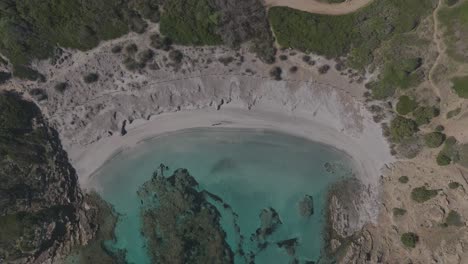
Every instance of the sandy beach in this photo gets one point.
(369, 150)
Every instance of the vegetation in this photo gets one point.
(434, 139)
(453, 112)
(454, 185)
(358, 33)
(398, 212)
(409, 239)
(402, 128)
(91, 77)
(422, 194)
(460, 86)
(406, 105)
(453, 219)
(443, 160)
(455, 23)
(424, 114)
(275, 73)
(176, 56)
(190, 22)
(403, 179)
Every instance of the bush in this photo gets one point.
(403, 179)
(434, 139)
(132, 65)
(442, 159)
(176, 56)
(131, 49)
(453, 112)
(283, 57)
(454, 185)
(91, 77)
(116, 49)
(409, 239)
(421, 194)
(424, 114)
(163, 43)
(293, 69)
(460, 85)
(405, 105)
(4, 77)
(145, 56)
(439, 128)
(401, 128)
(27, 73)
(399, 212)
(324, 69)
(61, 87)
(453, 219)
(275, 72)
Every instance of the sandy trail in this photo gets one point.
(314, 6)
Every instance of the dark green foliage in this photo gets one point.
(32, 28)
(61, 87)
(434, 139)
(148, 9)
(159, 42)
(451, 2)
(409, 239)
(422, 194)
(116, 49)
(132, 65)
(442, 159)
(176, 56)
(439, 128)
(4, 77)
(453, 112)
(460, 85)
(401, 128)
(91, 77)
(424, 114)
(15, 114)
(406, 105)
(145, 56)
(381, 90)
(403, 179)
(26, 73)
(275, 73)
(398, 212)
(190, 22)
(454, 185)
(454, 21)
(131, 49)
(358, 33)
(453, 219)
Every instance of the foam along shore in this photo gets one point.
(369, 150)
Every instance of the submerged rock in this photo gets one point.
(289, 245)
(182, 226)
(306, 206)
(269, 222)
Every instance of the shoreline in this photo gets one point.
(368, 151)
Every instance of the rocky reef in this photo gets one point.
(42, 215)
(179, 223)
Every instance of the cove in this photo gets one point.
(250, 170)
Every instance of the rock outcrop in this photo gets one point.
(42, 216)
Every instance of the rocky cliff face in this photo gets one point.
(41, 204)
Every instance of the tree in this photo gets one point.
(434, 139)
(409, 239)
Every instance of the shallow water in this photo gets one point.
(249, 169)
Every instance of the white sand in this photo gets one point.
(369, 150)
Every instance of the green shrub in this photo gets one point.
(422, 194)
(405, 105)
(403, 179)
(399, 212)
(434, 139)
(424, 114)
(439, 128)
(442, 159)
(454, 185)
(454, 219)
(61, 87)
(190, 22)
(409, 239)
(453, 112)
(401, 128)
(91, 77)
(460, 85)
(176, 56)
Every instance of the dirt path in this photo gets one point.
(314, 6)
(437, 39)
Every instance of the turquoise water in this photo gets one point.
(249, 169)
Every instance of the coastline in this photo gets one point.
(368, 149)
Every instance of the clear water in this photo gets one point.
(249, 169)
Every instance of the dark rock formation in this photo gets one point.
(269, 222)
(180, 225)
(41, 204)
(289, 245)
(306, 206)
